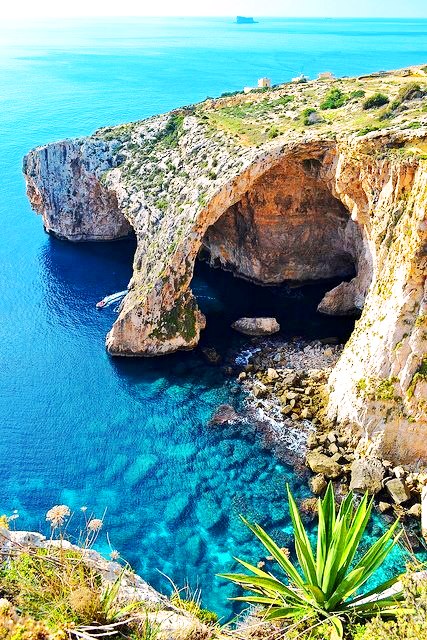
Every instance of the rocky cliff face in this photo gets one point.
(248, 183)
(71, 198)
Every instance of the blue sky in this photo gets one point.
(330, 8)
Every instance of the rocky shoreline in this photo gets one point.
(286, 386)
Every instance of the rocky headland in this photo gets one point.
(257, 185)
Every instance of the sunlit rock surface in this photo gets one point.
(245, 183)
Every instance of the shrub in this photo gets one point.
(16, 627)
(305, 115)
(410, 92)
(322, 591)
(170, 134)
(284, 100)
(56, 585)
(375, 101)
(162, 204)
(359, 93)
(57, 588)
(273, 132)
(229, 94)
(365, 130)
(334, 99)
(390, 111)
(406, 625)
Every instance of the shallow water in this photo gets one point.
(133, 437)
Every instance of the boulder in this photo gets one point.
(312, 440)
(290, 378)
(260, 391)
(318, 484)
(272, 374)
(383, 507)
(256, 326)
(367, 474)
(398, 490)
(319, 463)
(306, 414)
(314, 118)
(309, 507)
(415, 510)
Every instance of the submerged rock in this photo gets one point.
(225, 413)
(209, 512)
(256, 326)
(211, 355)
(176, 507)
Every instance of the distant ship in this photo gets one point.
(243, 20)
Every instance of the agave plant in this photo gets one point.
(324, 588)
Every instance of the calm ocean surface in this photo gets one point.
(133, 437)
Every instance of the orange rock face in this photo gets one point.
(287, 226)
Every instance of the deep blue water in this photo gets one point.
(133, 437)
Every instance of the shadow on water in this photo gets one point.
(225, 298)
(78, 275)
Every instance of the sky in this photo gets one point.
(286, 8)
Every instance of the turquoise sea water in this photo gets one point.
(133, 437)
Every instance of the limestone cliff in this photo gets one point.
(72, 200)
(256, 188)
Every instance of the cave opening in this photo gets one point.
(276, 253)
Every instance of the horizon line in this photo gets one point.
(260, 17)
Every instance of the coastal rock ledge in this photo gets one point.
(248, 184)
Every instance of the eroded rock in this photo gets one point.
(318, 484)
(398, 491)
(256, 326)
(320, 463)
(367, 474)
(305, 205)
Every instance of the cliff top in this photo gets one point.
(328, 107)
(180, 158)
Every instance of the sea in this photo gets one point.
(132, 440)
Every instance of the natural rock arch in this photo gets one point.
(287, 203)
(380, 382)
